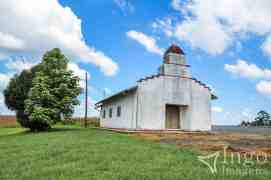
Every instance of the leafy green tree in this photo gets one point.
(17, 92)
(54, 93)
(38, 105)
(262, 119)
(45, 94)
(245, 123)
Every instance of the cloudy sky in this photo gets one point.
(227, 43)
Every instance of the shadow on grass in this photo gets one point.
(55, 129)
(14, 134)
(61, 129)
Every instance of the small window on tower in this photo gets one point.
(119, 111)
(110, 112)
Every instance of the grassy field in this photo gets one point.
(74, 153)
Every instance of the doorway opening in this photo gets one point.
(172, 117)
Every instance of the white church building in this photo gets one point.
(171, 99)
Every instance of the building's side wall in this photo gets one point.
(199, 111)
(126, 119)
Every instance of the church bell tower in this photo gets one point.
(174, 63)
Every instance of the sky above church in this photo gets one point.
(226, 42)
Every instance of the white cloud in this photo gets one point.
(3, 109)
(214, 25)
(79, 110)
(10, 42)
(247, 114)
(176, 4)
(217, 109)
(18, 65)
(148, 42)
(165, 25)
(4, 79)
(81, 73)
(266, 47)
(264, 87)
(32, 27)
(208, 36)
(125, 6)
(252, 71)
(235, 117)
(246, 70)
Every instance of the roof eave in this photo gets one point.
(121, 93)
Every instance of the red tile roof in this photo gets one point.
(174, 49)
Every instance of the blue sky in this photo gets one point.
(120, 41)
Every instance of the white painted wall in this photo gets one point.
(126, 120)
(151, 109)
(155, 94)
(200, 108)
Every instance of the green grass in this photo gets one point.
(75, 153)
(4, 131)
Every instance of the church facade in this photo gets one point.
(171, 99)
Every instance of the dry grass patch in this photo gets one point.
(8, 121)
(233, 142)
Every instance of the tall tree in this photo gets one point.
(263, 118)
(38, 105)
(44, 94)
(54, 92)
(17, 92)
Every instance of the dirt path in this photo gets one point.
(233, 142)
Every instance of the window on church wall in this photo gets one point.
(104, 113)
(110, 112)
(119, 111)
(167, 59)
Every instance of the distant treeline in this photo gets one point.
(263, 118)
